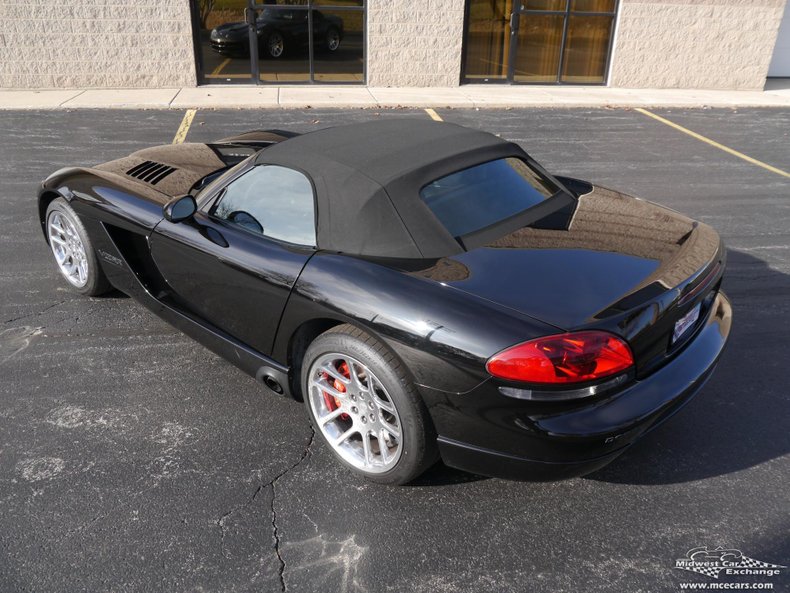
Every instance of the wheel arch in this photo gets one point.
(299, 342)
(45, 198)
(306, 333)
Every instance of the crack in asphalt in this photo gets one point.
(223, 518)
(90, 523)
(275, 528)
(36, 313)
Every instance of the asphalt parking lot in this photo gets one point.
(133, 459)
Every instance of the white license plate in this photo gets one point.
(685, 323)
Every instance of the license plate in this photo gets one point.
(685, 323)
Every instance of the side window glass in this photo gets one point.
(273, 201)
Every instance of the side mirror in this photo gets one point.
(179, 209)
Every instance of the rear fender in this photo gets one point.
(443, 336)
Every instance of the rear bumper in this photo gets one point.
(488, 433)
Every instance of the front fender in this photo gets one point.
(104, 196)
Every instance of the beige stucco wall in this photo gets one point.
(712, 44)
(95, 43)
(415, 42)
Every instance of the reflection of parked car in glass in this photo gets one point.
(279, 32)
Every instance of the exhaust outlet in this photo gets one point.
(272, 384)
(272, 379)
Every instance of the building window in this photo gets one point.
(288, 41)
(538, 41)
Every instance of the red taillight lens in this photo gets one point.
(564, 358)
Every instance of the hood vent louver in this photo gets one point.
(150, 172)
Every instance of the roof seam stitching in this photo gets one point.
(403, 222)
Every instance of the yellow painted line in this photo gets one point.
(181, 134)
(221, 67)
(434, 116)
(713, 143)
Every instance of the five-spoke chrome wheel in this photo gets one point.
(276, 45)
(355, 413)
(68, 249)
(332, 39)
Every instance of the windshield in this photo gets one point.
(477, 197)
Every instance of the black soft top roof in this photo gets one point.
(368, 176)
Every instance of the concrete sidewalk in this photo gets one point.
(777, 94)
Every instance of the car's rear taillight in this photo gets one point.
(565, 358)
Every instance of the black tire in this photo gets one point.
(419, 449)
(332, 39)
(96, 282)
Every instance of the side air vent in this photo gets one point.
(150, 172)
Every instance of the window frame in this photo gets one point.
(209, 205)
(206, 78)
(516, 13)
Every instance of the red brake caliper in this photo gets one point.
(333, 403)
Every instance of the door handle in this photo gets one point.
(514, 22)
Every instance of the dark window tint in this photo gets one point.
(480, 196)
(273, 201)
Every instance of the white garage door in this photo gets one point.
(780, 63)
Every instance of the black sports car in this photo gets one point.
(428, 290)
(279, 32)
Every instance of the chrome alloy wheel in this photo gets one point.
(333, 39)
(276, 45)
(355, 413)
(67, 248)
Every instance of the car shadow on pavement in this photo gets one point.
(443, 475)
(740, 418)
(113, 294)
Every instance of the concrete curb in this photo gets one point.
(468, 96)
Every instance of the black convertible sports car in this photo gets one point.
(428, 290)
(279, 32)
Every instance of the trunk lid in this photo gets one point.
(615, 263)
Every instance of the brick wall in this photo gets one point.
(415, 42)
(713, 44)
(96, 43)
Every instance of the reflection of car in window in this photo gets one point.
(279, 32)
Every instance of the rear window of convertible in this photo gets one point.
(483, 195)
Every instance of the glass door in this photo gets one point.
(589, 28)
(281, 41)
(283, 48)
(487, 40)
(223, 41)
(538, 41)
